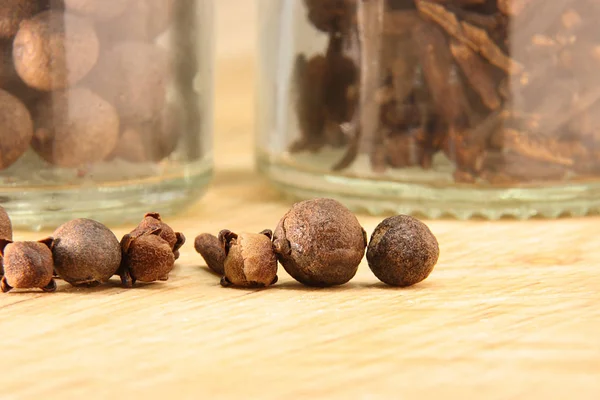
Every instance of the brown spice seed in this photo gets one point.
(250, 260)
(27, 265)
(402, 251)
(86, 253)
(212, 250)
(320, 242)
(12, 13)
(133, 76)
(74, 128)
(55, 50)
(16, 129)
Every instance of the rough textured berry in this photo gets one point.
(12, 13)
(320, 242)
(402, 251)
(250, 260)
(74, 128)
(27, 265)
(55, 50)
(86, 253)
(16, 129)
(133, 76)
(211, 249)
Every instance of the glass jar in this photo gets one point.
(105, 108)
(462, 107)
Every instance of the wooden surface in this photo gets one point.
(512, 311)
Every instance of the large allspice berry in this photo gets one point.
(74, 128)
(402, 251)
(133, 76)
(320, 242)
(12, 12)
(152, 221)
(151, 140)
(250, 259)
(210, 248)
(16, 129)
(54, 50)
(27, 265)
(86, 253)
(100, 10)
(147, 257)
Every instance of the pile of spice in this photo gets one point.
(86, 253)
(86, 81)
(505, 89)
(320, 243)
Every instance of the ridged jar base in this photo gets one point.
(432, 199)
(114, 203)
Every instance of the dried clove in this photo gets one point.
(250, 259)
(212, 250)
(27, 265)
(146, 257)
(152, 222)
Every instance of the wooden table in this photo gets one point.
(512, 311)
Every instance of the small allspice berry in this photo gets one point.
(320, 242)
(402, 251)
(27, 265)
(210, 248)
(147, 257)
(86, 253)
(250, 259)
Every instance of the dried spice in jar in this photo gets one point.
(418, 105)
(103, 102)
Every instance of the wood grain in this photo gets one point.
(510, 312)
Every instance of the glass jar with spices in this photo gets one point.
(105, 108)
(465, 108)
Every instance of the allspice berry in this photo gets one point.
(27, 265)
(147, 257)
(320, 242)
(100, 10)
(151, 140)
(74, 128)
(55, 50)
(133, 76)
(152, 222)
(143, 20)
(16, 129)
(402, 251)
(12, 12)
(211, 249)
(86, 253)
(250, 260)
